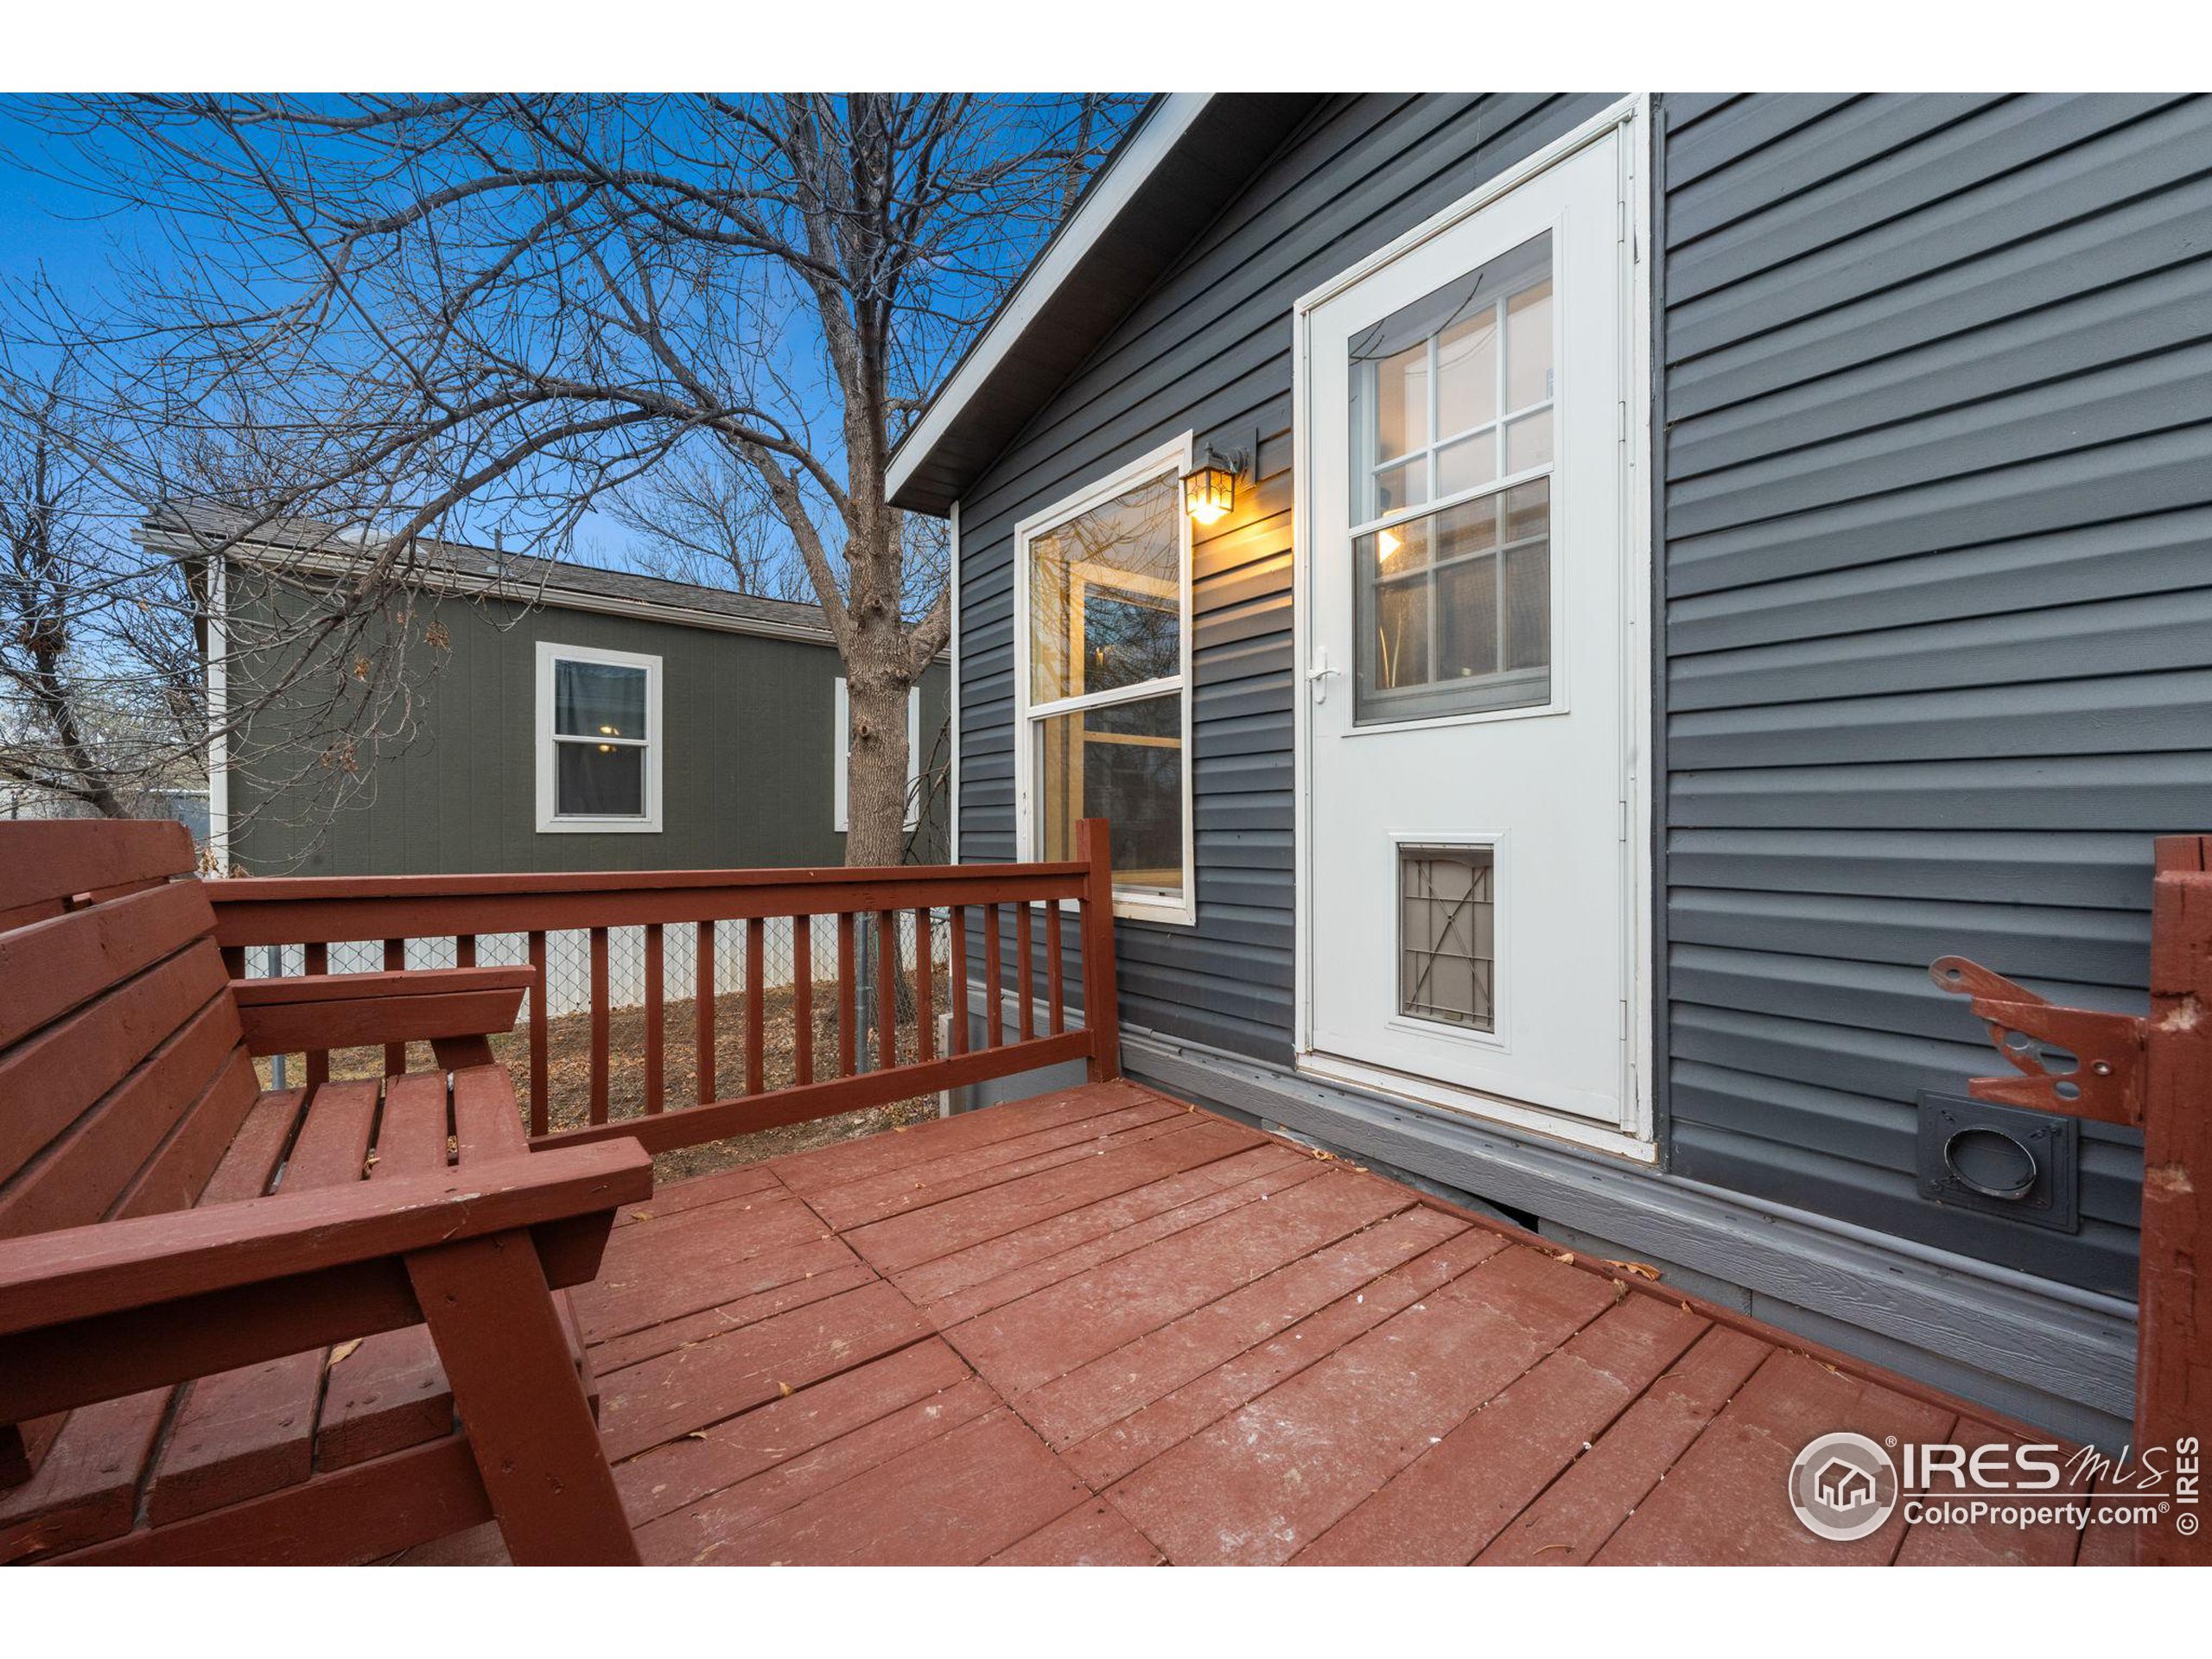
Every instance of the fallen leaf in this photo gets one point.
(1641, 1270)
(785, 1390)
(344, 1349)
(641, 1215)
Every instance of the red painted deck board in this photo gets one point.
(1101, 1327)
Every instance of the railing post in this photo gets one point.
(2173, 1364)
(1102, 1016)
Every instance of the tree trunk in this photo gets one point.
(876, 795)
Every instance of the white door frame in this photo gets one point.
(1632, 116)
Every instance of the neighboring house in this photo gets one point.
(1692, 560)
(580, 718)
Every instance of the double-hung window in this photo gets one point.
(598, 741)
(1102, 673)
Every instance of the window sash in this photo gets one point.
(1134, 898)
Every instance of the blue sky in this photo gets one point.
(77, 240)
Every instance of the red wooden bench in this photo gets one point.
(317, 1324)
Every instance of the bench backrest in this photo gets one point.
(123, 1075)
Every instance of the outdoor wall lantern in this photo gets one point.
(1209, 488)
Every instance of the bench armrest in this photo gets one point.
(89, 1313)
(323, 1010)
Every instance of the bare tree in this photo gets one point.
(99, 687)
(447, 311)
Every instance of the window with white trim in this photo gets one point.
(842, 736)
(1102, 679)
(598, 741)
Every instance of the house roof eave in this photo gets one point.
(1179, 167)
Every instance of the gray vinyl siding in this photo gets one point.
(1937, 405)
(1209, 350)
(748, 764)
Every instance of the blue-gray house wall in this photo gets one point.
(1932, 422)
(1937, 586)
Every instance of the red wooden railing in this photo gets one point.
(316, 913)
(2153, 1073)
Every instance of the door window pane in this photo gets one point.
(1529, 347)
(1104, 595)
(1466, 465)
(1451, 612)
(1401, 403)
(1529, 441)
(1447, 935)
(1466, 363)
(1123, 763)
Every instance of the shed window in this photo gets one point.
(1102, 680)
(598, 739)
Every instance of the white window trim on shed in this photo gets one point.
(550, 821)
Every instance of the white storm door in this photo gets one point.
(1468, 877)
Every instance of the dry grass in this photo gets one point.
(568, 1075)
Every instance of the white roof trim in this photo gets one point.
(1125, 173)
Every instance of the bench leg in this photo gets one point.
(516, 1389)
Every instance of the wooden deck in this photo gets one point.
(1104, 1326)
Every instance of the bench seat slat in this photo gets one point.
(250, 1431)
(390, 1392)
(187, 1160)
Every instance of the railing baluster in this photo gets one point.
(1025, 980)
(956, 976)
(395, 1054)
(655, 1018)
(1056, 1013)
(318, 961)
(886, 989)
(702, 1010)
(802, 999)
(755, 1001)
(993, 1020)
(845, 1067)
(924, 1014)
(538, 1115)
(598, 1022)
(1102, 1016)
